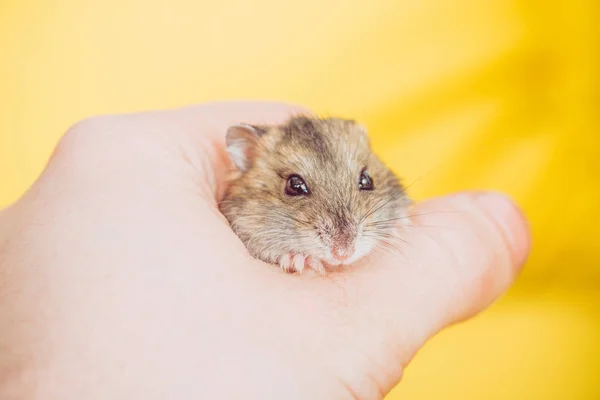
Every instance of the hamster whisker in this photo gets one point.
(391, 248)
(435, 212)
(386, 235)
(423, 176)
(370, 223)
(382, 225)
(431, 226)
(380, 205)
(389, 245)
(407, 216)
(412, 230)
(392, 225)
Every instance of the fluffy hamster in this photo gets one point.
(310, 192)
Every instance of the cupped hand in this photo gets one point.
(120, 279)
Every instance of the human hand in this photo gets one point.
(120, 279)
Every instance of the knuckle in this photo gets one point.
(85, 128)
(79, 136)
(96, 140)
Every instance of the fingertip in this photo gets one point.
(499, 209)
(510, 221)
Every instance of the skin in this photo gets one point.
(120, 278)
(329, 154)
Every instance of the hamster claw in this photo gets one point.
(285, 263)
(298, 263)
(316, 265)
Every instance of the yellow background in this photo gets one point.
(491, 94)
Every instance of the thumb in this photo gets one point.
(458, 256)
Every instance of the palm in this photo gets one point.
(121, 247)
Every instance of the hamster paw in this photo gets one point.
(292, 263)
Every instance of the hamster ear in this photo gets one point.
(242, 140)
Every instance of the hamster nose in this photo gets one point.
(341, 252)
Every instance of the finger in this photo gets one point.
(463, 252)
(147, 145)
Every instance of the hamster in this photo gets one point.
(310, 193)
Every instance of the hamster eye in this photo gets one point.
(365, 182)
(295, 186)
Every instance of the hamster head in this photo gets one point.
(310, 190)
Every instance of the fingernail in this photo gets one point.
(511, 220)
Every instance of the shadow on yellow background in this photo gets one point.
(490, 94)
